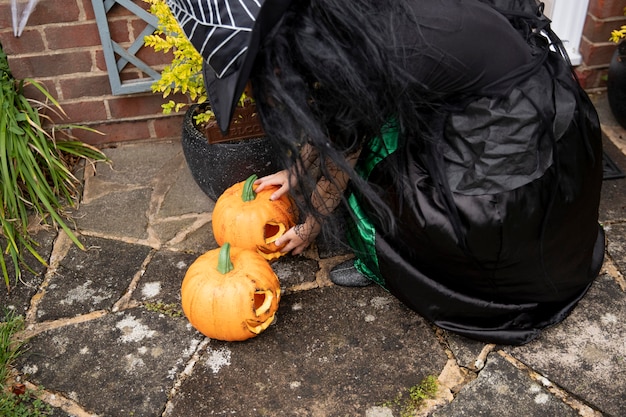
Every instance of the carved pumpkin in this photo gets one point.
(230, 294)
(250, 220)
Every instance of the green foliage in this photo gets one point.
(184, 74)
(172, 310)
(35, 176)
(417, 394)
(25, 404)
(9, 349)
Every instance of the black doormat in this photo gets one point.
(610, 169)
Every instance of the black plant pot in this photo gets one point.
(217, 166)
(616, 84)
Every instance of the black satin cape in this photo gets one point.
(510, 242)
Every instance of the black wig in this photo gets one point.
(331, 76)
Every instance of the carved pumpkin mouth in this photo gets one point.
(255, 327)
(262, 305)
(262, 302)
(271, 232)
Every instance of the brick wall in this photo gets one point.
(61, 47)
(602, 17)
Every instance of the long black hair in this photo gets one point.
(330, 76)
(333, 74)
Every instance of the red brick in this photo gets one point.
(51, 65)
(599, 30)
(131, 73)
(56, 11)
(33, 92)
(118, 10)
(29, 42)
(119, 30)
(607, 8)
(137, 26)
(168, 127)
(100, 62)
(6, 19)
(591, 78)
(88, 8)
(148, 55)
(598, 54)
(85, 86)
(72, 36)
(83, 112)
(116, 132)
(133, 106)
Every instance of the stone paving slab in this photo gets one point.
(124, 348)
(586, 354)
(502, 390)
(613, 203)
(119, 364)
(18, 299)
(332, 352)
(91, 280)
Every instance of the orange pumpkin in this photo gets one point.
(252, 221)
(230, 294)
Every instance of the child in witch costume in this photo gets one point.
(454, 131)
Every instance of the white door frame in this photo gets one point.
(568, 18)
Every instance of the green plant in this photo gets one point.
(419, 393)
(15, 402)
(184, 73)
(23, 405)
(35, 160)
(9, 349)
(171, 310)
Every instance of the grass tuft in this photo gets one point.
(417, 394)
(15, 400)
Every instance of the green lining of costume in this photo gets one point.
(361, 233)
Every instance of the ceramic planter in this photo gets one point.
(616, 84)
(218, 165)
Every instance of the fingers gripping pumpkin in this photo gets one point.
(249, 220)
(230, 294)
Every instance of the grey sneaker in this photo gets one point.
(345, 274)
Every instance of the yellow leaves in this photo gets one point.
(618, 35)
(184, 74)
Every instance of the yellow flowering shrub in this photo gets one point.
(184, 73)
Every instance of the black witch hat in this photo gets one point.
(228, 35)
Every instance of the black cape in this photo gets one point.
(498, 233)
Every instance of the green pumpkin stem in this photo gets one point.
(224, 264)
(248, 193)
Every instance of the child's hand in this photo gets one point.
(279, 179)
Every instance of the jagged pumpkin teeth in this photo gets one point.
(263, 302)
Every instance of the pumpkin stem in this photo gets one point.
(248, 193)
(224, 264)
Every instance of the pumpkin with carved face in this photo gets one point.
(249, 220)
(230, 294)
